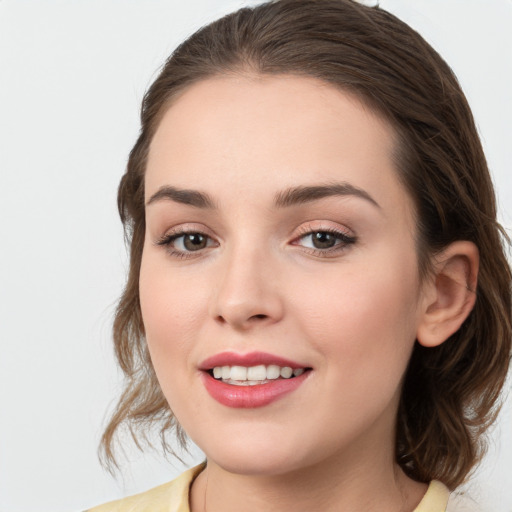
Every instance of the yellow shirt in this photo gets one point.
(173, 497)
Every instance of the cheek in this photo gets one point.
(364, 320)
(169, 309)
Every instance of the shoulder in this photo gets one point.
(439, 499)
(169, 497)
(435, 499)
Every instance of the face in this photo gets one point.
(279, 240)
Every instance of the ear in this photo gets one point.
(450, 293)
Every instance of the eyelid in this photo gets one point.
(322, 226)
(345, 235)
(317, 226)
(182, 230)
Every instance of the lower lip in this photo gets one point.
(250, 396)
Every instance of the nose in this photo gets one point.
(248, 292)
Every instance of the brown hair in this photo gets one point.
(450, 393)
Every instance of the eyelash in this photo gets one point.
(344, 238)
(169, 238)
(345, 241)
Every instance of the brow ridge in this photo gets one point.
(291, 196)
(305, 194)
(183, 196)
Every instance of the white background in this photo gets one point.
(72, 75)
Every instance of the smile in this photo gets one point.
(251, 380)
(254, 375)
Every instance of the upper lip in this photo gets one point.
(249, 359)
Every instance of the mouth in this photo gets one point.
(251, 380)
(254, 375)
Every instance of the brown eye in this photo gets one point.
(183, 243)
(323, 240)
(194, 241)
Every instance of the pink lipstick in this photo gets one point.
(249, 359)
(251, 380)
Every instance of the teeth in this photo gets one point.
(286, 372)
(252, 375)
(273, 372)
(257, 372)
(243, 382)
(238, 373)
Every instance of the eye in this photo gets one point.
(324, 242)
(183, 243)
(322, 239)
(190, 242)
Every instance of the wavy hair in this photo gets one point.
(451, 392)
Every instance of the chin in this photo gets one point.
(257, 465)
(265, 454)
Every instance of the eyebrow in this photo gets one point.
(289, 197)
(307, 194)
(183, 196)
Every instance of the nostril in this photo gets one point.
(261, 316)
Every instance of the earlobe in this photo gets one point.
(450, 294)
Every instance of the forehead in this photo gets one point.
(252, 131)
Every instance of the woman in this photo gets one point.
(318, 293)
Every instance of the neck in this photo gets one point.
(340, 483)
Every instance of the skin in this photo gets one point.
(351, 314)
